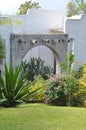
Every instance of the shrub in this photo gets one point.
(37, 84)
(72, 90)
(62, 90)
(82, 84)
(71, 80)
(55, 92)
(78, 74)
(36, 67)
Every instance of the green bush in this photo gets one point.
(55, 92)
(36, 67)
(38, 96)
(72, 90)
(62, 90)
(79, 73)
(82, 83)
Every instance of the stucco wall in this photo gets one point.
(38, 21)
(76, 28)
(5, 31)
(34, 22)
(21, 44)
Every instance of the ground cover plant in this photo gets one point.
(42, 117)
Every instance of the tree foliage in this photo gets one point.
(76, 7)
(66, 65)
(71, 9)
(27, 5)
(35, 67)
(2, 50)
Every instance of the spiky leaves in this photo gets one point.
(13, 87)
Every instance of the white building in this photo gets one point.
(76, 28)
(34, 22)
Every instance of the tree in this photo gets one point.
(66, 65)
(27, 5)
(2, 50)
(76, 7)
(71, 9)
(35, 67)
(82, 8)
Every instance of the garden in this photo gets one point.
(32, 97)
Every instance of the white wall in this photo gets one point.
(76, 28)
(34, 22)
(39, 21)
(5, 31)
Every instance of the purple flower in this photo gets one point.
(47, 88)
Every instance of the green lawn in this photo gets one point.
(42, 117)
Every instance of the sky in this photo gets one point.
(11, 6)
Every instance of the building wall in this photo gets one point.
(21, 44)
(34, 22)
(5, 31)
(76, 28)
(38, 21)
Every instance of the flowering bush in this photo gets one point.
(61, 90)
(55, 91)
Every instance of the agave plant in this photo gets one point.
(13, 87)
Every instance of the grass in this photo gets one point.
(42, 117)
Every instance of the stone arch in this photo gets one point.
(21, 44)
(56, 59)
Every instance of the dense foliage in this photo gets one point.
(62, 90)
(68, 88)
(75, 7)
(66, 65)
(28, 5)
(35, 67)
(82, 83)
(2, 50)
(39, 85)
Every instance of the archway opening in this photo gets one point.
(46, 54)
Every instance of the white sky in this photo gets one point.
(11, 6)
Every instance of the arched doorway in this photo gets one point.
(20, 45)
(49, 58)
